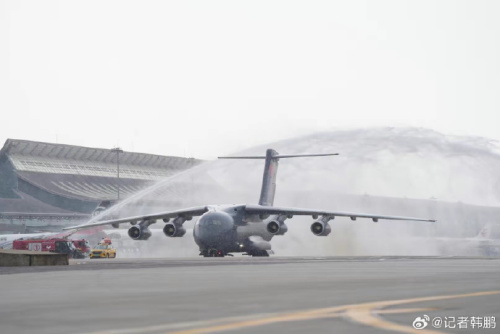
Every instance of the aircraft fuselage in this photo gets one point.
(227, 230)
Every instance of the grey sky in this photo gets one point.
(204, 78)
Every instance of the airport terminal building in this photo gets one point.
(44, 186)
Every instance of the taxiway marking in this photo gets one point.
(360, 313)
(366, 313)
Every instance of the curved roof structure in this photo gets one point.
(55, 173)
(30, 156)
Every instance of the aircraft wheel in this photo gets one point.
(212, 253)
(260, 254)
(205, 253)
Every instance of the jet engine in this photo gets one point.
(276, 227)
(173, 230)
(139, 232)
(320, 229)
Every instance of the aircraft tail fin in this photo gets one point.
(271, 170)
(485, 232)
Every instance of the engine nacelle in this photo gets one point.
(139, 232)
(321, 229)
(276, 227)
(173, 230)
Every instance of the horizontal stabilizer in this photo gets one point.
(282, 156)
(256, 157)
(304, 155)
(270, 169)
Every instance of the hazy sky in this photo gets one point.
(204, 78)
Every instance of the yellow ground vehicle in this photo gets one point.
(103, 251)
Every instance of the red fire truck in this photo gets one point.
(51, 245)
(82, 245)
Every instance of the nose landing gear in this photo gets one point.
(213, 253)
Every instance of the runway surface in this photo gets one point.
(248, 295)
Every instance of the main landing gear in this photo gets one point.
(257, 253)
(218, 253)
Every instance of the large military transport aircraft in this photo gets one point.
(225, 229)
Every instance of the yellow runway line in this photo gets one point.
(367, 314)
(360, 313)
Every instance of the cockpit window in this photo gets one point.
(214, 222)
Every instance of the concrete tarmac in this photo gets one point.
(249, 295)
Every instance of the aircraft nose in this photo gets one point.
(214, 225)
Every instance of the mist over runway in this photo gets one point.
(394, 171)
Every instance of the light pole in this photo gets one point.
(117, 150)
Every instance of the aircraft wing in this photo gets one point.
(189, 212)
(273, 210)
